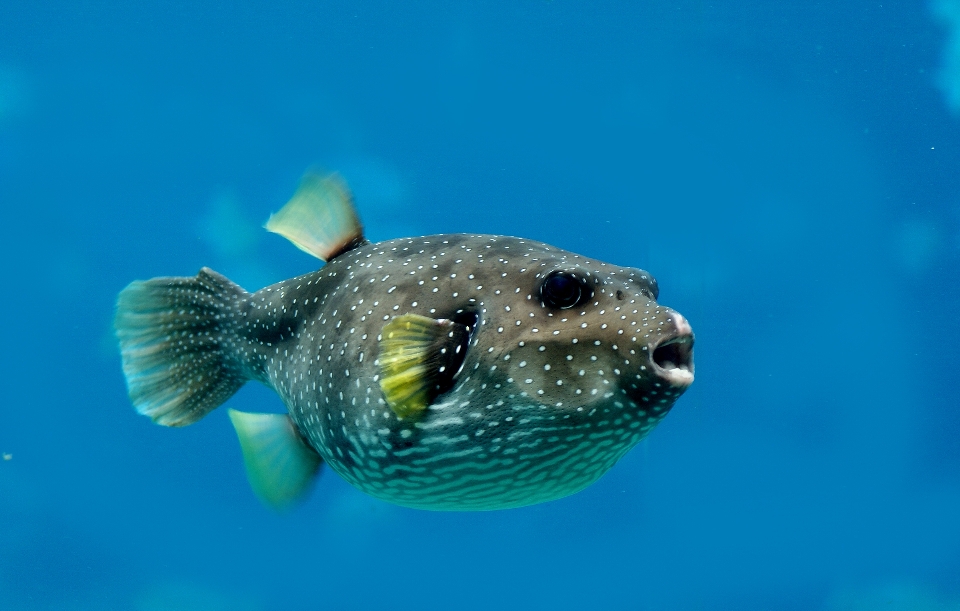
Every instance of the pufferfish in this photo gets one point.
(446, 372)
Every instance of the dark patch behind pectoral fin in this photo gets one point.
(419, 358)
(280, 465)
(320, 218)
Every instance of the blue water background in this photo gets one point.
(790, 172)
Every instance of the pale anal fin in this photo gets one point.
(280, 465)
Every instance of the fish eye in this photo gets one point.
(653, 289)
(647, 284)
(562, 290)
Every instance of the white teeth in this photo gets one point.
(679, 376)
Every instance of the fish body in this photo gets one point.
(450, 372)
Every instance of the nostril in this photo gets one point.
(619, 295)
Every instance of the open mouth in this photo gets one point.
(674, 360)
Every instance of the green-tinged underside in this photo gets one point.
(478, 472)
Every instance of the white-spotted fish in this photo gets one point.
(452, 372)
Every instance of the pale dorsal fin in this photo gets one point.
(280, 465)
(320, 218)
(419, 358)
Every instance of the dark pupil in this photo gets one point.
(562, 291)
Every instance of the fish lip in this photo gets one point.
(672, 360)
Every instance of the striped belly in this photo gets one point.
(519, 455)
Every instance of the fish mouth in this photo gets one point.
(673, 360)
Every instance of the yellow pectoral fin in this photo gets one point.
(405, 390)
(418, 361)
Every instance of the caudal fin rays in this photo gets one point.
(172, 334)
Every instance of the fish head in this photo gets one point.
(524, 373)
(581, 337)
(535, 371)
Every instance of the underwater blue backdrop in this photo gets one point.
(790, 172)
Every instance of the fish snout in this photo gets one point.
(672, 355)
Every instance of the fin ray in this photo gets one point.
(320, 218)
(172, 333)
(280, 465)
(419, 357)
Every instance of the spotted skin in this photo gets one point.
(546, 400)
